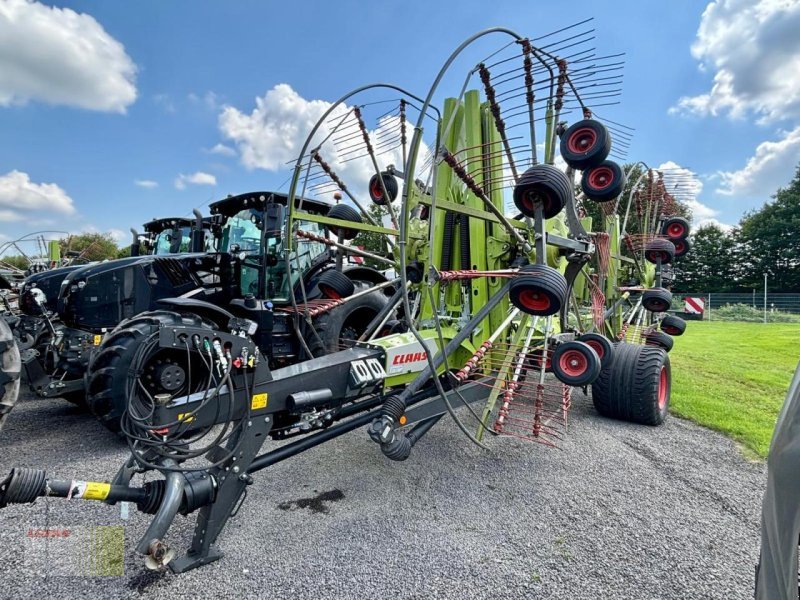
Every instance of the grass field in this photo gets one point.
(733, 377)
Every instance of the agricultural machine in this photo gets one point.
(505, 295)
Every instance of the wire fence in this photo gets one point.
(772, 307)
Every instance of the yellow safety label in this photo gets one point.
(259, 401)
(185, 417)
(96, 491)
(98, 339)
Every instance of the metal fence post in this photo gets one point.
(765, 297)
(709, 306)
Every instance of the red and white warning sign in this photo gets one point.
(695, 306)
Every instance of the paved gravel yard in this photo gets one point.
(619, 511)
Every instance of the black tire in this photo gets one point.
(538, 290)
(682, 247)
(659, 250)
(344, 212)
(9, 377)
(602, 347)
(543, 184)
(575, 364)
(657, 299)
(675, 228)
(532, 363)
(673, 325)
(335, 285)
(637, 387)
(585, 144)
(376, 191)
(603, 182)
(339, 327)
(659, 339)
(107, 374)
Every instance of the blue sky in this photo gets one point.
(97, 96)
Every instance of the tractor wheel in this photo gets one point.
(344, 212)
(9, 378)
(659, 250)
(339, 327)
(673, 325)
(682, 247)
(335, 285)
(659, 339)
(376, 190)
(675, 228)
(657, 299)
(575, 364)
(602, 347)
(637, 387)
(543, 184)
(165, 371)
(538, 290)
(603, 182)
(585, 144)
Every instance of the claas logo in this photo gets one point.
(403, 359)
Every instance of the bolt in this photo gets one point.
(235, 469)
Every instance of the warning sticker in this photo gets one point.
(185, 417)
(259, 401)
(98, 339)
(89, 490)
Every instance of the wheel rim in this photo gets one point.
(679, 247)
(583, 140)
(375, 190)
(675, 230)
(530, 199)
(657, 305)
(573, 363)
(663, 386)
(330, 292)
(670, 330)
(597, 347)
(534, 300)
(601, 178)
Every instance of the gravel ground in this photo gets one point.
(619, 511)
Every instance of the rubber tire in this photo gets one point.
(329, 325)
(9, 377)
(672, 223)
(662, 248)
(657, 299)
(538, 280)
(682, 247)
(107, 373)
(549, 184)
(344, 213)
(594, 154)
(602, 347)
(673, 325)
(659, 339)
(593, 365)
(335, 285)
(628, 391)
(610, 189)
(376, 192)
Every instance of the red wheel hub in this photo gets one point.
(573, 363)
(375, 190)
(329, 292)
(670, 330)
(582, 140)
(531, 198)
(679, 247)
(663, 387)
(676, 230)
(601, 178)
(597, 347)
(534, 300)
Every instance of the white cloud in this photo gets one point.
(771, 167)
(753, 49)
(19, 197)
(146, 183)
(59, 56)
(198, 178)
(222, 150)
(687, 186)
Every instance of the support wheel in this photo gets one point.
(603, 182)
(575, 364)
(9, 377)
(682, 247)
(335, 285)
(659, 339)
(657, 300)
(376, 190)
(659, 250)
(637, 387)
(545, 185)
(675, 228)
(538, 290)
(344, 212)
(602, 347)
(585, 144)
(673, 325)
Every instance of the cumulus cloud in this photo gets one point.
(222, 150)
(770, 167)
(146, 183)
(59, 56)
(19, 197)
(687, 186)
(753, 49)
(197, 178)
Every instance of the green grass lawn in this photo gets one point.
(733, 377)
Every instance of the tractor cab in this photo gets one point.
(176, 235)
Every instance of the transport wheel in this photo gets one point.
(602, 347)
(538, 290)
(637, 387)
(659, 250)
(682, 247)
(675, 228)
(575, 364)
(344, 212)
(603, 182)
(657, 299)
(585, 144)
(335, 285)
(659, 339)
(673, 325)
(164, 371)
(9, 378)
(543, 184)
(376, 191)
